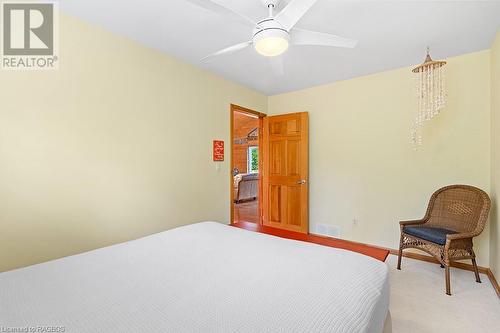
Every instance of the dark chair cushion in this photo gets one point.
(434, 235)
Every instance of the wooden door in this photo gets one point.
(285, 172)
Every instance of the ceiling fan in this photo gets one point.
(273, 35)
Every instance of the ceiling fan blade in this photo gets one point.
(277, 65)
(292, 13)
(215, 7)
(306, 37)
(230, 49)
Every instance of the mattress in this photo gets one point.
(205, 277)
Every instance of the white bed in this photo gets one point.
(206, 277)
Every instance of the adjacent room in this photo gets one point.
(246, 129)
(249, 166)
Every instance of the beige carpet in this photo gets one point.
(419, 304)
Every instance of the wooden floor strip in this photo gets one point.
(374, 252)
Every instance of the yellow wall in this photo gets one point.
(113, 146)
(495, 156)
(362, 165)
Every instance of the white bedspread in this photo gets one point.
(205, 277)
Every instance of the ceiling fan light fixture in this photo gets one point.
(272, 42)
(273, 35)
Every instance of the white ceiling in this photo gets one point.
(391, 34)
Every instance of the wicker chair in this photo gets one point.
(455, 215)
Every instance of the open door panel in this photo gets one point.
(285, 172)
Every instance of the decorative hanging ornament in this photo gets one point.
(430, 88)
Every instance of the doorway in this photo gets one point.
(270, 169)
(246, 165)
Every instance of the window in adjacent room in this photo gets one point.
(253, 159)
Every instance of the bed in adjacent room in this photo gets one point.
(205, 277)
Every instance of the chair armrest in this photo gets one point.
(412, 222)
(464, 235)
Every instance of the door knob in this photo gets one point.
(302, 182)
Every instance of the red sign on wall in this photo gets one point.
(218, 151)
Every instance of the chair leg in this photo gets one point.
(476, 271)
(447, 278)
(400, 253)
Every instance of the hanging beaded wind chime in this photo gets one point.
(430, 88)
